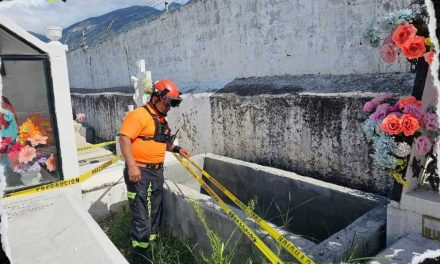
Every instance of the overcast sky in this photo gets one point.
(35, 15)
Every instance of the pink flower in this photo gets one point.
(369, 106)
(380, 113)
(389, 39)
(16, 147)
(392, 108)
(415, 110)
(398, 114)
(375, 102)
(423, 145)
(13, 153)
(51, 163)
(37, 140)
(429, 56)
(408, 100)
(5, 143)
(27, 154)
(388, 53)
(80, 117)
(430, 121)
(381, 97)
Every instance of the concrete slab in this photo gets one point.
(93, 155)
(111, 175)
(105, 193)
(406, 250)
(58, 230)
(105, 201)
(423, 201)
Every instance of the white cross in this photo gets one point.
(142, 84)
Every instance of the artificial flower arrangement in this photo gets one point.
(404, 31)
(29, 152)
(148, 86)
(393, 125)
(80, 117)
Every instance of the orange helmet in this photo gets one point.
(167, 91)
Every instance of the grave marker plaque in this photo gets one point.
(431, 227)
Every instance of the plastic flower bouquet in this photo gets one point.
(404, 31)
(80, 117)
(393, 126)
(31, 152)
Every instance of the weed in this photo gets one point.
(219, 254)
(119, 232)
(166, 249)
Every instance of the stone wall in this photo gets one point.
(277, 82)
(315, 135)
(104, 111)
(213, 41)
(274, 121)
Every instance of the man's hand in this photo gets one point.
(134, 173)
(185, 153)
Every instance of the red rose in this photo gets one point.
(415, 48)
(410, 124)
(403, 34)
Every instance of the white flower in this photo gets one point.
(402, 150)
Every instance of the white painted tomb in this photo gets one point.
(50, 226)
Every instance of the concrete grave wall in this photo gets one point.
(250, 48)
(180, 219)
(235, 39)
(361, 220)
(104, 112)
(305, 206)
(279, 121)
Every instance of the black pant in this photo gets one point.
(145, 200)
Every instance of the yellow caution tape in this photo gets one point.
(96, 145)
(273, 258)
(291, 248)
(61, 184)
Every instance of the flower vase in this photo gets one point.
(30, 178)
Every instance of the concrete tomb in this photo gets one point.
(38, 148)
(326, 221)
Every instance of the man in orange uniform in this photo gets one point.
(144, 137)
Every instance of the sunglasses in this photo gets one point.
(173, 102)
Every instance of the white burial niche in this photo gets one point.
(30, 148)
